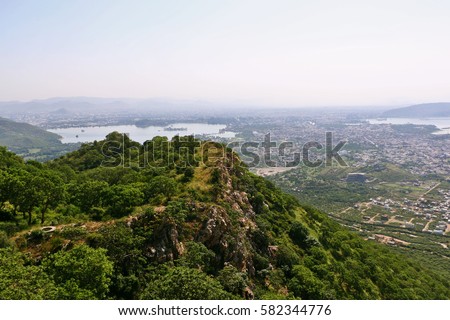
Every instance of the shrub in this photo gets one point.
(232, 280)
(83, 270)
(195, 285)
(4, 240)
(73, 233)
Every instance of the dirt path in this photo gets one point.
(427, 225)
(431, 189)
(392, 219)
(346, 210)
(367, 206)
(373, 218)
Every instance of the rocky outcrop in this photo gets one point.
(167, 246)
(224, 227)
(227, 239)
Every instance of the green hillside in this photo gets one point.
(355, 205)
(132, 221)
(30, 141)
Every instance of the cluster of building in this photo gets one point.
(412, 148)
(416, 150)
(431, 216)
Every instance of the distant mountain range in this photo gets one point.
(93, 105)
(426, 110)
(65, 105)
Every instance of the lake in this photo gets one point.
(443, 124)
(139, 134)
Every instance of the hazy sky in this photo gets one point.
(299, 52)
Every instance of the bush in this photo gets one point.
(56, 244)
(4, 240)
(304, 284)
(36, 236)
(69, 210)
(198, 256)
(83, 270)
(94, 240)
(97, 213)
(182, 283)
(73, 233)
(299, 233)
(232, 280)
(12, 227)
(260, 262)
(21, 281)
(286, 257)
(6, 215)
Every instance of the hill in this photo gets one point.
(30, 141)
(117, 219)
(426, 110)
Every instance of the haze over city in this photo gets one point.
(279, 53)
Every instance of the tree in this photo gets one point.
(286, 257)
(20, 281)
(305, 284)
(88, 194)
(198, 256)
(122, 198)
(298, 233)
(33, 188)
(182, 283)
(4, 240)
(124, 249)
(29, 193)
(6, 187)
(232, 280)
(112, 176)
(82, 267)
(12, 187)
(162, 185)
(9, 159)
(188, 174)
(258, 203)
(52, 191)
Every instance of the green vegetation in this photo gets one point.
(32, 142)
(180, 219)
(351, 205)
(184, 283)
(327, 188)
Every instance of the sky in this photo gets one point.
(280, 52)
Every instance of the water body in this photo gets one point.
(90, 134)
(443, 124)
